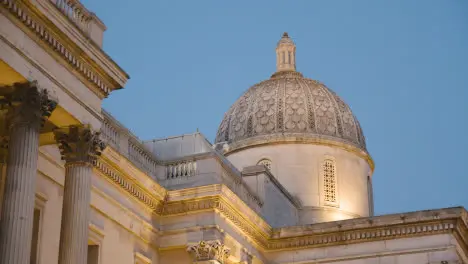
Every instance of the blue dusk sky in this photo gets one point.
(401, 65)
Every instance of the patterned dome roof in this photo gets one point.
(289, 107)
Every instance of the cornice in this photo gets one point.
(50, 77)
(182, 194)
(263, 236)
(332, 233)
(151, 199)
(217, 203)
(220, 199)
(294, 138)
(361, 258)
(60, 46)
(83, 37)
(361, 235)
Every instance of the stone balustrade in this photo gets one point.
(239, 187)
(76, 12)
(181, 169)
(198, 170)
(232, 177)
(123, 141)
(110, 134)
(128, 145)
(141, 157)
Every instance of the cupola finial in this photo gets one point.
(285, 54)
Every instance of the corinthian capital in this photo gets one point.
(79, 145)
(209, 250)
(27, 104)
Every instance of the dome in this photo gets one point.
(289, 108)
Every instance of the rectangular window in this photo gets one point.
(93, 254)
(35, 236)
(329, 179)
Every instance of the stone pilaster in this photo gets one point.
(212, 252)
(28, 106)
(79, 147)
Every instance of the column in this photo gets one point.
(3, 157)
(28, 106)
(79, 147)
(209, 252)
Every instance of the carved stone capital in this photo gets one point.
(246, 257)
(79, 145)
(209, 250)
(27, 104)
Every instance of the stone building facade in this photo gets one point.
(288, 179)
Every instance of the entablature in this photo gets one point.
(220, 199)
(74, 51)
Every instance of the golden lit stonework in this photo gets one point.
(287, 180)
(79, 144)
(209, 250)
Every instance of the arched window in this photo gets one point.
(329, 181)
(266, 163)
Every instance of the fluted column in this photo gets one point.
(3, 160)
(28, 106)
(79, 147)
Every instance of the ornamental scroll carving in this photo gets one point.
(209, 250)
(79, 145)
(27, 104)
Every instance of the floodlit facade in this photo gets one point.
(287, 180)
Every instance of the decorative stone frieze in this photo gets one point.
(151, 199)
(327, 234)
(59, 46)
(79, 145)
(209, 250)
